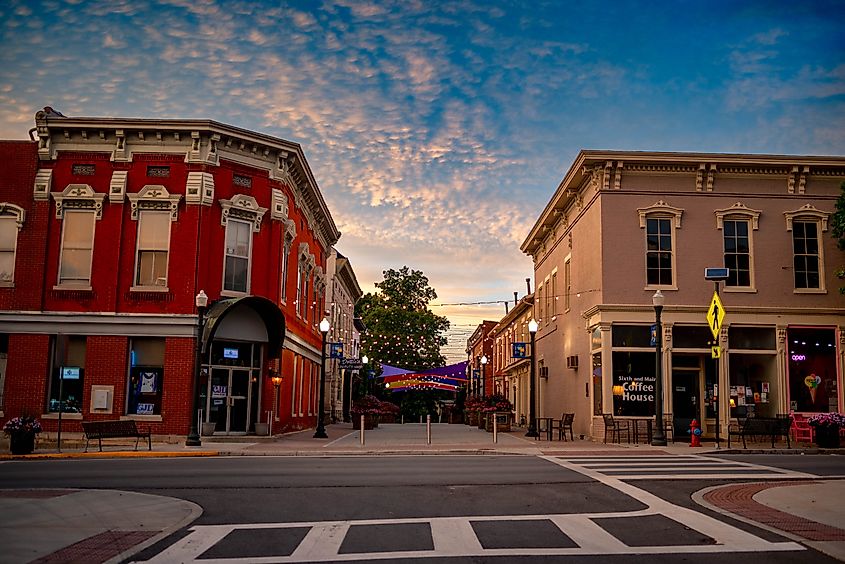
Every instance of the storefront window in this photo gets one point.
(691, 337)
(68, 374)
(753, 389)
(634, 383)
(813, 383)
(146, 377)
(752, 338)
(231, 353)
(632, 336)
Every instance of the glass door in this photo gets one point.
(239, 401)
(218, 408)
(686, 404)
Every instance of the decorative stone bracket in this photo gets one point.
(78, 197)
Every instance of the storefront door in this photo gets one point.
(686, 401)
(229, 406)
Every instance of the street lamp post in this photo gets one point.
(201, 301)
(321, 428)
(532, 403)
(659, 438)
(483, 375)
(365, 373)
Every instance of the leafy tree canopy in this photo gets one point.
(401, 330)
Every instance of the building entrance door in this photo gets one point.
(686, 401)
(229, 400)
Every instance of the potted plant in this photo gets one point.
(472, 407)
(826, 426)
(22, 431)
(368, 406)
(388, 412)
(498, 406)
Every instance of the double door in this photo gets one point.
(230, 400)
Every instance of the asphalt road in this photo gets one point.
(266, 507)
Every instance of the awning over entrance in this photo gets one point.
(270, 314)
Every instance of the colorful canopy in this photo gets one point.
(448, 378)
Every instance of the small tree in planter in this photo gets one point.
(498, 404)
(472, 406)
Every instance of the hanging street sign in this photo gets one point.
(351, 363)
(715, 316)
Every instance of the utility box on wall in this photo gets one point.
(101, 399)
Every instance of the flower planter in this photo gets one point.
(22, 443)
(472, 417)
(503, 421)
(827, 436)
(369, 423)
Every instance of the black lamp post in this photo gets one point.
(532, 403)
(659, 438)
(483, 375)
(321, 428)
(365, 370)
(201, 301)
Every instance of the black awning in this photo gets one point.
(274, 320)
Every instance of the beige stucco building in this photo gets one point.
(343, 292)
(622, 225)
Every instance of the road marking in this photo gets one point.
(680, 467)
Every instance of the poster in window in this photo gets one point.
(145, 409)
(149, 382)
(218, 391)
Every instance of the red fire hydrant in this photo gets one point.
(695, 434)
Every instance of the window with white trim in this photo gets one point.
(660, 221)
(238, 250)
(77, 248)
(806, 261)
(659, 252)
(737, 248)
(285, 269)
(153, 248)
(8, 247)
(567, 283)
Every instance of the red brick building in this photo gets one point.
(109, 229)
(480, 360)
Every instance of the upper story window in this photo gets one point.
(77, 251)
(242, 216)
(659, 252)
(238, 250)
(737, 247)
(11, 220)
(567, 283)
(807, 223)
(289, 236)
(660, 222)
(153, 248)
(806, 254)
(737, 224)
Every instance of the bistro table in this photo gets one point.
(648, 423)
(544, 427)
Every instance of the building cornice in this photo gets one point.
(604, 170)
(202, 142)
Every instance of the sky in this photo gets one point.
(438, 131)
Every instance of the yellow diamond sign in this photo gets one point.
(715, 315)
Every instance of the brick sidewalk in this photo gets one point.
(739, 500)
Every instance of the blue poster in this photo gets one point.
(520, 350)
(336, 350)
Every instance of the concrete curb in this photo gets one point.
(130, 454)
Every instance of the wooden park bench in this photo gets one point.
(772, 427)
(124, 428)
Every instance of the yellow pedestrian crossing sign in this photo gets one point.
(716, 352)
(715, 315)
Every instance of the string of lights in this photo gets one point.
(577, 294)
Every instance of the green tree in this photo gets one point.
(401, 329)
(837, 228)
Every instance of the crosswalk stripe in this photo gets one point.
(671, 467)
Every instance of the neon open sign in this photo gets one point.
(799, 357)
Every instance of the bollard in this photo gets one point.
(362, 430)
(495, 429)
(270, 423)
(428, 428)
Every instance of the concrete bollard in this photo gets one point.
(495, 429)
(362, 430)
(428, 428)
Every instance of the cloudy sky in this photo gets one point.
(438, 130)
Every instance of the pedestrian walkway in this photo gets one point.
(679, 467)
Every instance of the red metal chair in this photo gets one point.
(801, 429)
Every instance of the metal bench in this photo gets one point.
(124, 428)
(772, 427)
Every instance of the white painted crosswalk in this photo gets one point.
(677, 467)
